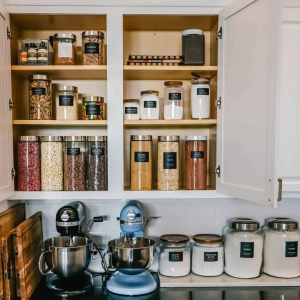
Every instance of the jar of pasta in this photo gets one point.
(92, 47)
(65, 48)
(66, 102)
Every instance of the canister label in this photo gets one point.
(131, 110)
(141, 156)
(197, 154)
(170, 160)
(175, 256)
(97, 151)
(93, 109)
(38, 91)
(73, 151)
(247, 250)
(66, 100)
(91, 48)
(203, 91)
(174, 96)
(211, 256)
(149, 104)
(291, 249)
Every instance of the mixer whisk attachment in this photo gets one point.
(70, 242)
(125, 243)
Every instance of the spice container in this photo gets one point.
(208, 255)
(131, 109)
(173, 103)
(174, 257)
(66, 99)
(93, 108)
(141, 162)
(52, 163)
(200, 98)
(23, 59)
(29, 171)
(32, 54)
(281, 248)
(195, 162)
(149, 105)
(92, 47)
(65, 48)
(168, 163)
(42, 53)
(97, 175)
(243, 248)
(40, 101)
(74, 163)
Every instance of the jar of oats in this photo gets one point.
(66, 99)
(92, 47)
(168, 163)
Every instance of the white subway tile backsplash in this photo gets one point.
(113, 210)
(95, 210)
(202, 210)
(173, 210)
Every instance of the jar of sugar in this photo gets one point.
(149, 105)
(243, 248)
(208, 255)
(131, 109)
(174, 258)
(173, 102)
(281, 248)
(200, 98)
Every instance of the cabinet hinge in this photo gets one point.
(11, 105)
(217, 171)
(279, 190)
(219, 33)
(218, 103)
(9, 34)
(13, 174)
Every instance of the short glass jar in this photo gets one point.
(93, 108)
(92, 47)
(174, 255)
(208, 255)
(64, 48)
(200, 98)
(131, 109)
(173, 103)
(149, 105)
(66, 99)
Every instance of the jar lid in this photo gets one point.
(282, 223)
(150, 92)
(96, 138)
(170, 83)
(168, 138)
(207, 238)
(131, 101)
(93, 33)
(69, 88)
(192, 31)
(51, 138)
(196, 138)
(39, 77)
(141, 138)
(93, 99)
(28, 138)
(175, 238)
(200, 80)
(74, 138)
(65, 35)
(243, 224)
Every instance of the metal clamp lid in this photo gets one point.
(282, 223)
(39, 77)
(141, 138)
(192, 138)
(93, 33)
(74, 138)
(67, 88)
(243, 224)
(65, 35)
(93, 99)
(168, 138)
(28, 138)
(51, 138)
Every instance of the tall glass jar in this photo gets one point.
(52, 163)
(149, 105)
(74, 163)
(29, 170)
(93, 108)
(97, 174)
(65, 48)
(200, 98)
(243, 248)
(174, 255)
(40, 97)
(141, 162)
(173, 103)
(168, 163)
(66, 99)
(92, 47)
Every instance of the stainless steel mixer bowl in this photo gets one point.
(63, 260)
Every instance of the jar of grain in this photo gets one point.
(52, 163)
(66, 99)
(168, 163)
(40, 97)
(65, 48)
(93, 108)
(173, 103)
(141, 162)
(92, 47)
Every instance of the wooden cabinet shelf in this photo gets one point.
(173, 123)
(98, 123)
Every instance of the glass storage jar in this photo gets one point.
(200, 98)
(195, 162)
(52, 163)
(97, 175)
(168, 163)
(92, 47)
(149, 105)
(40, 97)
(29, 170)
(141, 162)
(64, 48)
(66, 99)
(174, 255)
(131, 109)
(243, 248)
(281, 248)
(208, 255)
(74, 163)
(93, 108)
(173, 103)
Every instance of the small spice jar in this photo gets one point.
(149, 105)
(131, 109)
(208, 255)
(66, 99)
(174, 256)
(92, 47)
(173, 103)
(141, 162)
(168, 163)
(200, 98)
(65, 48)
(93, 108)
(23, 55)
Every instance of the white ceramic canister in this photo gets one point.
(131, 109)
(200, 98)
(149, 105)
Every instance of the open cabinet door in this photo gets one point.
(248, 86)
(6, 153)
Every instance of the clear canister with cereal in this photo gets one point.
(92, 47)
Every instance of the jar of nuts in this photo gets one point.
(92, 47)
(65, 48)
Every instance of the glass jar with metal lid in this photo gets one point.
(131, 109)
(66, 99)
(149, 105)
(93, 108)
(243, 248)
(97, 174)
(141, 162)
(92, 47)
(281, 248)
(174, 255)
(74, 163)
(173, 103)
(65, 48)
(200, 98)
(52, 177)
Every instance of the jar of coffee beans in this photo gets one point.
(92, 47)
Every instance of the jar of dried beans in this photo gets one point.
(29, 170)
(93, 108)
(66, 99)
(97, 176)
(74, 163)
(92, 47)
(40, 101)
(65, 48)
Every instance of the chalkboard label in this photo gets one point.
(197, 154)
(149, 104)
(38, 91)
(291, 249)
(174, 96)
(175, 256)
(141, 156)
(203, 91)
(97, 151)
(211, 256)
(92, 110)
(73, 151)
(170, 160)
(66, 100)
(91, 48)
(131, 110)
(247, 250)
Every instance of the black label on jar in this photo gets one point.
(197, 154)
(149, 104)
(38, 91)
(211, 256)
(131, 110)
(170, 160)
(174, 96)
(73, 151)
(141, 156)
(203, 91)
(92, 109)
(91, 48)
(247, 250)
(97, 151)
(175, 256)
(291, 249)
(66, 100)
